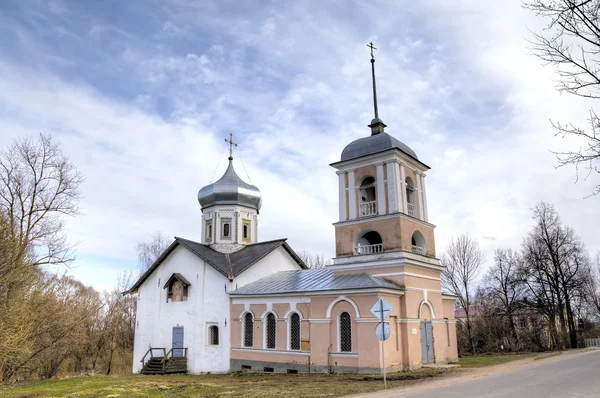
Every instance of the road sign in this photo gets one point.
(381, 309)
(382, 332)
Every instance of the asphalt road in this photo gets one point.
(577, 376)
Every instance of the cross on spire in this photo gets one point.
(377, 126)
(231, 145)
(372, 47)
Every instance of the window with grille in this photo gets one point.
(213, 335)
(248, 330)
(345, 332)
(295, 331)
(271, 326)
(226, 230)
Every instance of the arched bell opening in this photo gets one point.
(419, 246)
(410, 196)
(368, 198)
(369, 242)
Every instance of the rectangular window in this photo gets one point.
(246, 231)
(226, 228)
(208, 236)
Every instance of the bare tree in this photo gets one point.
(571, 43)
(463, 260)
(148, 252)
(314, 261)
(38, 187)
(504, 287)
(119, 320)
(554, 261)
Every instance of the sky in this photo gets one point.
(141, 95)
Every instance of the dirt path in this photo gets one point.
(459, 376)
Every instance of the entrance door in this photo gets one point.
(178, 341)
(427, 342)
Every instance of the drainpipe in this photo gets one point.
(329, 358)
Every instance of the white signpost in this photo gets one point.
(381, 310)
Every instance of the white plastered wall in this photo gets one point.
(278, 260)
(207, 303)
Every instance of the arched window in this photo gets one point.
(213, 335)
(368, 205)
(419, 245)
(410, 197)
(345, 332)
(294, 331)
(248, 330)
(271, 330)
(226, 230)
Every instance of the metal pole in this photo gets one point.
(382, 340)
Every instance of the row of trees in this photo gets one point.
(538, 297)
(50, 321)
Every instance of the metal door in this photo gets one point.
(427, 342)
(177, 341)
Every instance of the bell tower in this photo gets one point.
(382, 198)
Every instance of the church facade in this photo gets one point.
(232, 303)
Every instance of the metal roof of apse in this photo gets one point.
(230, 189)
(374, 144)
(311, 280)
(237, 263)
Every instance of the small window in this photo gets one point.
(248, 330)
(271, 330)
(208, 237)
(213, 335)
(226, 228)
(345, 332)
(246, 231)
(294, 331)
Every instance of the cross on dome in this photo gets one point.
(231, 145)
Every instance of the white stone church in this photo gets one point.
(232, 303)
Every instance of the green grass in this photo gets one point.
(479, 361)
(235, 385)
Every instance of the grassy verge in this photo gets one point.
(488, 360)
(132, 386)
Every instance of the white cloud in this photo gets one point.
(456, 84)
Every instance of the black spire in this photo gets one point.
(377, 125)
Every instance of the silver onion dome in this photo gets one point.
(230, 190)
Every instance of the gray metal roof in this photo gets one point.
(374, 144)
(238, 262)
(311, 280)
(230, 189)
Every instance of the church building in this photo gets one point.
(232, 303)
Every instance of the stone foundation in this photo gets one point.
(251, 366)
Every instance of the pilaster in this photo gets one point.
(342, 194)
(403, 189)
(380, 189)
(351, 195)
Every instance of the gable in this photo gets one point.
(277, 260)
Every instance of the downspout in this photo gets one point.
(329, 358)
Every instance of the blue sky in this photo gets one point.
(142, 93)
